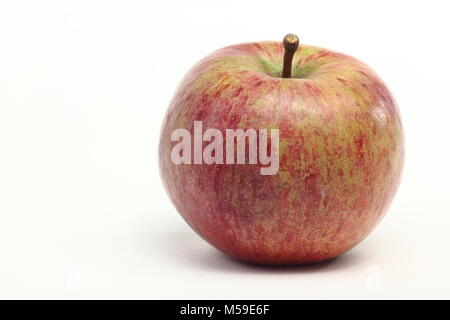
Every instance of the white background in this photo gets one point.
(84, 86)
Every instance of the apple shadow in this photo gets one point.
(185, 248)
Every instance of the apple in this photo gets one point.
(339, 151)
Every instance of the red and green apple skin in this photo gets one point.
(340, 151)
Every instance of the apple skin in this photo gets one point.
(341, 153)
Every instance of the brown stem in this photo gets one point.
(290, 44)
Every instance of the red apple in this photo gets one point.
(340, 151)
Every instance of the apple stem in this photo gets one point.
(290, 44)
